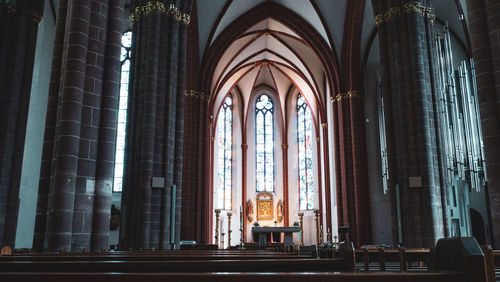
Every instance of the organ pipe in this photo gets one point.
(459, 120)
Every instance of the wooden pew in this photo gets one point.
(156, 255)
(235, 265)
(222, 265)
(404, 257)
(226, 277)
(496, 255)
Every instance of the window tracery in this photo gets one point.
(224, 147)
(122, 111)
(305, 150)
(264, 144)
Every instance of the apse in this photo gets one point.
(267, 109)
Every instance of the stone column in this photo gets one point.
(155, 126)
(353, 201)
(406, 52)
(80, 127)
(484, 26)
(18, 28)
(194, 223)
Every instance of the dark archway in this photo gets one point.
(477, 224)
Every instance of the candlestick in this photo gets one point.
(316, 214)
(301, 217)
(321, 234)
(222, 238)
(241, 227)
(217, 214)
(229, 214)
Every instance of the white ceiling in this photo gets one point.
(208, 11)
(280, 59)
(269, 53)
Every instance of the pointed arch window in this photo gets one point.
(224, 150)
(264, 152)
(305, 150)
(122, 111)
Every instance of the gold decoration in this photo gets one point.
(145, 10)
(408, 8)
(284, 146)
(265, 206)
(348, 95)
(244, 147)
(324, 125)
(317, 139)
(392, 12)
(301, 219)
(318, 231)
(379, 19)
(217, 215)
(249, 210)
(36, 17)
(229, 214)
(279, 211)
(11, 9)
(197, 94)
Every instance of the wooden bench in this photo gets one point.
(226, 277)
(234, 265)
(157, 255)
(404, 257)
(222, 265)
(496, 255)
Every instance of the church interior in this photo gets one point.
(191, 138)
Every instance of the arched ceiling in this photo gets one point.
(215, 15)
(326, 16)
(269, 53)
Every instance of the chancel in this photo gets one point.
(185, 139)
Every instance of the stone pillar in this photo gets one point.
(484, 23)
(155, 125)
(353, 201)
(194, 203)
(18, 28)
(80, 127)
(107, 131)
(406, 52)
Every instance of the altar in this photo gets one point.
(263, 233)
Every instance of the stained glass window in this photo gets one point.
(264, 151)
(305, 140)
(224, 153)
(122, 111)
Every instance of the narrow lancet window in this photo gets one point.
(264, 152)
(122, 112)
(304, 141)
(224, 151)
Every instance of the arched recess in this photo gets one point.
(266, 46)
(477, 226)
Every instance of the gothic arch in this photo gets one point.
(318, 86)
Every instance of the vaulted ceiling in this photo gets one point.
(271, 53)
(326, 16)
